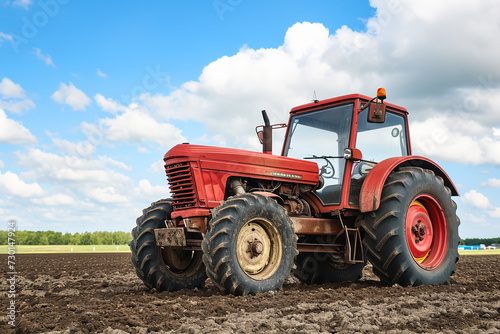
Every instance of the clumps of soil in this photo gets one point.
(100, 293)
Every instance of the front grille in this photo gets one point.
(181, 181)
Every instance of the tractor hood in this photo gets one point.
(225, 162)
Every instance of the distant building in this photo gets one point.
(472, 247)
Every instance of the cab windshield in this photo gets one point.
(322, 136)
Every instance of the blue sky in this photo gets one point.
(92, 94)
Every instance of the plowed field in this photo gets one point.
(100, 293)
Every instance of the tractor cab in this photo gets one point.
(346, 136)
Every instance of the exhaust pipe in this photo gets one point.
(267, 145)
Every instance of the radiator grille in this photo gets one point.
(181, 181)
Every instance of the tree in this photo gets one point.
(57, 238)
(86, 239)
(4, 237)
(54, 238)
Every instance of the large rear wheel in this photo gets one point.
(163, 268)
(250, 245)
(412, 239)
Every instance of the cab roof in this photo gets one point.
(338, 100)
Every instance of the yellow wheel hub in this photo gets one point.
(258, 249)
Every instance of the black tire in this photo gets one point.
(163, 268)
(250, 245)
(412, 239)
(134, 258)
(319, 268)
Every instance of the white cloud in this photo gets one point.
(5, 37)
(101, 74)
(67, 174)
(55, 200)
(491, 183)
(157, 167)
(2, 165)
(108, 104)
(80, 149)
(135, 124)
(23, 3)
(475, 219)
(72, 96)
(71, 170)
(11, 90)
(82, 184)
(11, 183)
(476, 199)
(495, 213)
(12, 132)
(47, 59)
(439, 137)
(147, 189)
(14, 97)
(118, 164)
(107, 195)
(17, 106)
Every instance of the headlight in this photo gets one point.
(352, 154)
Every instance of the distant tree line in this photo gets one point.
(479, 241)
(58, 238)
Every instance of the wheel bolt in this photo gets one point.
(421, 229)
(257, 247)
(414, 230)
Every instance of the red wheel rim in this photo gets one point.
(426, 232)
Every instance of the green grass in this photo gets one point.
(36, 249)
(480, 252)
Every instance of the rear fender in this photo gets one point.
(371, 191)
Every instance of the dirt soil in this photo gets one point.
(100, 293)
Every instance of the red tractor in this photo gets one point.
(345, 190)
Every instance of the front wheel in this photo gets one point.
(412, 238)
(250, 245)
(163, 268)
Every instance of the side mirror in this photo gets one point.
(376, 114)
(366, 168)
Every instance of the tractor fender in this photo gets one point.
(371, 191)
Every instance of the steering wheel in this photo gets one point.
(327, 171)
